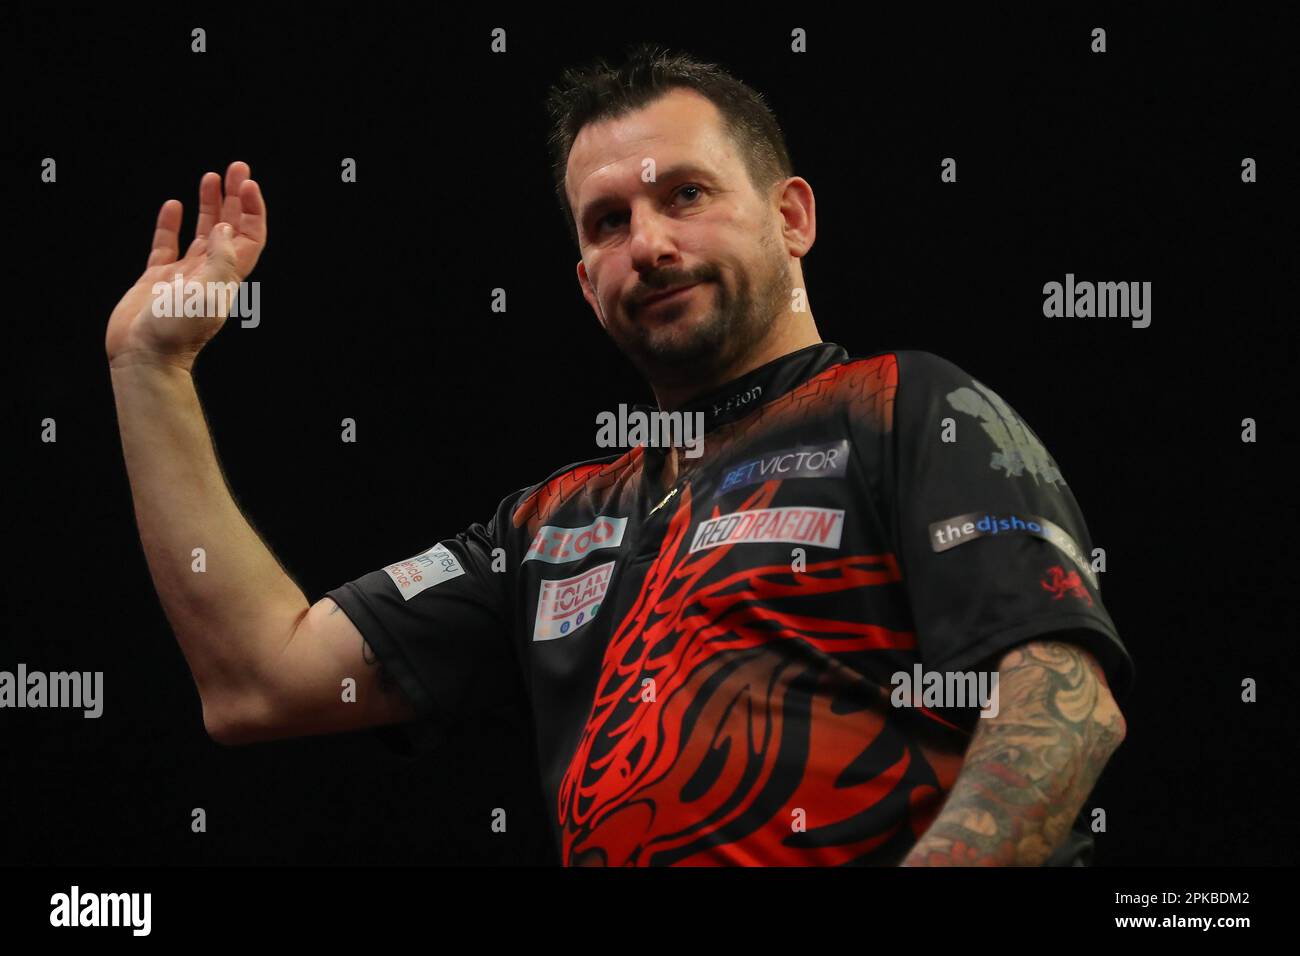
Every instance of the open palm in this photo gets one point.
(134, 333)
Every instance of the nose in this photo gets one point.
(651, 243)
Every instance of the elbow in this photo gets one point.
(1107, 719)
(227, 725)
(1109, 722)
(218, 729)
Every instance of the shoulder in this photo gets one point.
(533, 505)
(893, 368)
(863, 386)
(872, 385)
(927, 380)
(921, 368)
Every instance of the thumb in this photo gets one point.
(220, 264)
(219, 274)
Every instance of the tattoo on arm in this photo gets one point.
(386, 682)
(1028, 771)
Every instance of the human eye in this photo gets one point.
(697, 189)
(600, 223)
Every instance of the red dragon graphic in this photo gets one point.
(1060, 584)
(743, 738)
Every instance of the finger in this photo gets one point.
(209, 204)
(252, 212)
(166, 234)
(235, 176)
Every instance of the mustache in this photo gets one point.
(661, 284)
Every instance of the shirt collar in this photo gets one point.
(756, 388)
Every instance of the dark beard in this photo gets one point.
(735, 327)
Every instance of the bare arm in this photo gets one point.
(261, 659)
(1028, 770)
(233, 618)
(302, 692)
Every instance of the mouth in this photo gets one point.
(672, 295)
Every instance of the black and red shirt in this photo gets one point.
(709, 666)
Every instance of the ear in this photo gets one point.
(797, 212)
(589, 292)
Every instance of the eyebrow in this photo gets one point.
(601, 203)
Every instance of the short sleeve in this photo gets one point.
(439, 624)
(992, 543)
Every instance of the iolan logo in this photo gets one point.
(557, 545)
(102, 909)
(1102, 299)
(564, 606)
(655, 429)
(78, 690)
(814, 461)
(962, 528)
(946, 689)
(820, 527)
(424, 571)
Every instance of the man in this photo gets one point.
(710, 645)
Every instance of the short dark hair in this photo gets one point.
(599, 91)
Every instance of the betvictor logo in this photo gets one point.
(813, 461)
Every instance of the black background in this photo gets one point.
(376, 306)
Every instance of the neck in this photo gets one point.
(788, 334)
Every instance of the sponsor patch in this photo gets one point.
(557, 545)
(424, 571)
(566, 605)
(962, 528)
(811, 461)
(820, 527)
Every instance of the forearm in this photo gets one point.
(227, 617)
(1029, 770)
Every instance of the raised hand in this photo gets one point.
(136, 332)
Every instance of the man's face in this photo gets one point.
(699, 222)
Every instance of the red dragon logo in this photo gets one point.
(1060, 584)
